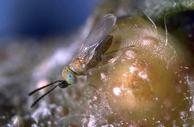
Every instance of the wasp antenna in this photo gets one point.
(52, 83)
(36, 101)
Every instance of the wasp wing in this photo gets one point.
(96, 37)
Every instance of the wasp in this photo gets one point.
(96, 44)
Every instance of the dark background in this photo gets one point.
(42, 18)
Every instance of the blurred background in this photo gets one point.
(34, 18)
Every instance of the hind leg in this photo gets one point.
(115, 55)
(100, 49)
(109, 59)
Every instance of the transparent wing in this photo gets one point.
(96, 36)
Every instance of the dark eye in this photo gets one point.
(70, 75)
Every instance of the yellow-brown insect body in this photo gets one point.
(95, 45)
(78, 65)
(97, 42)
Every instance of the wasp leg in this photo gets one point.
(109, 59)
(100, 50)
(114, 56)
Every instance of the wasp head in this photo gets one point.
(69, 75)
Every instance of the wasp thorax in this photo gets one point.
(78, 65)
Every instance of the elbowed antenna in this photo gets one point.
(61, 84)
